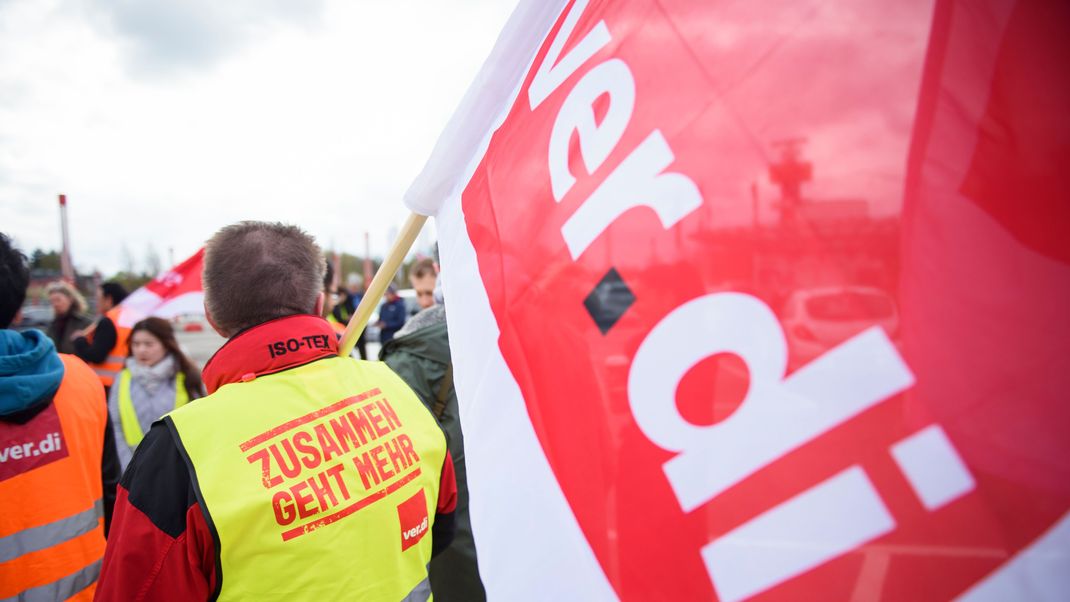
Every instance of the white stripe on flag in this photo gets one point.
(144, 303)
(530, 545)
(1037, 573)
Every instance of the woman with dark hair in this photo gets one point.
(157, 378)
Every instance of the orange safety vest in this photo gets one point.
(116, 360)
(51, 495)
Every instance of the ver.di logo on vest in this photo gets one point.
(32, 445)
(412, 514)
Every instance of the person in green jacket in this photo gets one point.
(420, 354)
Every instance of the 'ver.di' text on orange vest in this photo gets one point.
(51, 495)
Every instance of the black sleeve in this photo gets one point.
(442, 532)
(159, 482)
(104, 338)
(110, 471)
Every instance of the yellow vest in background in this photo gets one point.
(128, 413)
(321, 482)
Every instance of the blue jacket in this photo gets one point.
(30, 370)
(392, 313)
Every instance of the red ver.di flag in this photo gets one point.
(764, 300)
(175, 292)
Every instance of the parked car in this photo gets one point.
(817, 319)
(35, 316)
(371, 331)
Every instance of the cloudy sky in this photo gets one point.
(162, 121)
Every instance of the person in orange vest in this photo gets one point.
(58, 467)
(302, 475)
(104, 345)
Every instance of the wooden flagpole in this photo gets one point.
(382, 279)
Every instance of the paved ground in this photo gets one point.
(200, 346)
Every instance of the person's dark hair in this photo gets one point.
(423, 267)
(328, 276)
(115, 291)
(259, 271)
(165, 333)
(14, 278)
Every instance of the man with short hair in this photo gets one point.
(302, 475)
(58, 464)
(104, 346)
(422, 275)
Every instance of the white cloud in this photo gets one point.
(166, 36)
(320, 118)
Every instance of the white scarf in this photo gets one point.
(151, 377)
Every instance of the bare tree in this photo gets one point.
(153, 263)
(126, 260)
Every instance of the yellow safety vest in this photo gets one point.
(321, 482)
(128, 415)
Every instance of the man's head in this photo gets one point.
(109, 295)
(422, 276)
(391, 293)
(14, 278)
(258, 271)
(354, 283)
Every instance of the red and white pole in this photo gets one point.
(66, 267)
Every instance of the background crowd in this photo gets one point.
(145, 373)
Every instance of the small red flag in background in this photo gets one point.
(176, 292)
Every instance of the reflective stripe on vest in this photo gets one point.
(336, 461)
(62, 588)
(128, 415)
(420, 593)
(48, 535)
(116, 360)
(53, 550)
